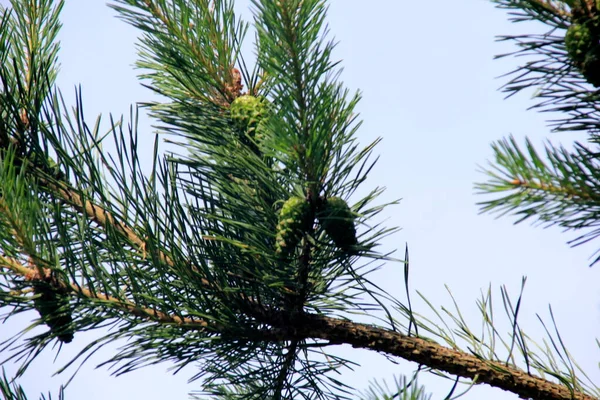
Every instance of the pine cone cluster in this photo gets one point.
(333, 214)
(582, 41)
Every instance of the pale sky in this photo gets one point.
(429, 88)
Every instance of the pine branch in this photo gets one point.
(190, 46)
(421, 351)
(561, 191)
(562, 187)
(12, 391)
(563, 81)
(31, 274)
(301, 327)
(547, 11)
(285, 370)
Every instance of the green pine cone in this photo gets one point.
(293, 221)
(579, 40)
(590, 67)
(248, 111)
(338, 221)
(54, 311)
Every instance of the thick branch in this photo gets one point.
(428, 353)
(32, 274)
(295, 327)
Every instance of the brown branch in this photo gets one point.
(566, 191)
(31, 273)
(433, 355)
(296, 327)
(96, 213)
(144, 312)
(288, 362)
(13, 265)
(104, 218)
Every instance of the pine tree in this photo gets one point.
(245, 250)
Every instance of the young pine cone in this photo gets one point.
(582, 42)
(338, 221)
(294, 220)
(54, 310)
(578, 41)
(249, 113)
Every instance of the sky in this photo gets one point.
(430, 90)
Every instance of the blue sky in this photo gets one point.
(430, 90)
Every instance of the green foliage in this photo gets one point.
(188, 49)
(12, 391)
(29, 63)
(403, 390)
(190, 262)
